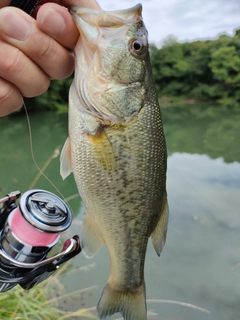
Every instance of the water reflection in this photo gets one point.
(204, 222)
(203, 244)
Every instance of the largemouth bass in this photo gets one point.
(116, 151)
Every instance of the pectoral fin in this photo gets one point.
(65, 160)
(102, 149)
(160, 232)
(91, 241)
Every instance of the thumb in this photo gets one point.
(56, 21)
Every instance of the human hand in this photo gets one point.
(34, 51)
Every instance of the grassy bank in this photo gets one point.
(43, 302)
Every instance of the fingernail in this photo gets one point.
(13, 25)
(52, 22)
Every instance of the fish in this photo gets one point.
(117, 152)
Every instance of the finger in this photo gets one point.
(10, 98)
(56, 21)
(21, 31)
(21, 71)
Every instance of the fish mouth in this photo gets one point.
(109, 18)
(137, 7)
(121, 11)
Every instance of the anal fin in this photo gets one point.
(159, 234)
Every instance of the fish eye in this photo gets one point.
(137, 45)
(138, 48)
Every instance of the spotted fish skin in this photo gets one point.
(116, 150)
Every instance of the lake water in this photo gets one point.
(200, 263)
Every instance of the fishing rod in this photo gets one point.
(28, 232)
(26, 5)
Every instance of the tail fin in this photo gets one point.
(131, 305)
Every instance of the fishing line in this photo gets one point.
(34, 159)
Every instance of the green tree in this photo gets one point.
(203, 70)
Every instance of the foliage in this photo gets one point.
(201, 70)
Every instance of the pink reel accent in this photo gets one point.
(29, 235)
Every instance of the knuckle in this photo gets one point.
(13, 63)
(10, 98)
(44, 87)
(48, 48)
(6, 90)
(54, 59)
(21, 75)
(39, 89)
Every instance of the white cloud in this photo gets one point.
(187, 20)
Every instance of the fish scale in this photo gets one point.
(117, 153)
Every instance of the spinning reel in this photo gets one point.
(27, 234)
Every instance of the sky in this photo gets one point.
(187, 20)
